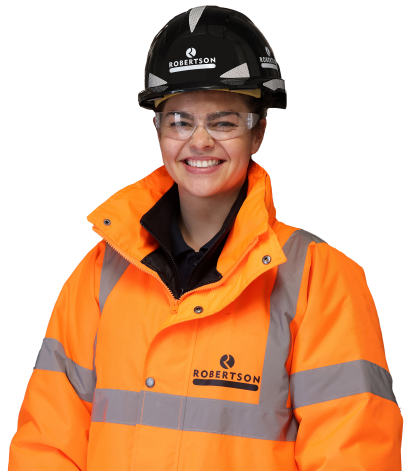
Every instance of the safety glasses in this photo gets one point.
(220, 125)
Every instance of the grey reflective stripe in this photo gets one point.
(115, 406)
(114, 265)
(192, 414)
(94, 352)
(194, 16)
(268, 420)
(239, 419)
(341, 380)
(52, 357)
(275, 379)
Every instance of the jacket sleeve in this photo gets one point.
(341, 388)
(54, 419)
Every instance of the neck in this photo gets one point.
(201, 218)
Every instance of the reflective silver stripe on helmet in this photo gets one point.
(194, 16)
(275, 84)
(237, 72)
(154, 81)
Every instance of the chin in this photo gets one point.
(201, 189)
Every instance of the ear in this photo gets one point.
(258, 132)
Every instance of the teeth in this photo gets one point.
(203, 163)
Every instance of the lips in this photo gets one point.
(193, 169)
(203, 158)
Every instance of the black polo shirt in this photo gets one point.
(184, 256)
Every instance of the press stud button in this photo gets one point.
(198, 310)
(150, 382)
(266, 259)
(107, 222)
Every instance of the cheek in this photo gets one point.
(170, 150)
(239, 151)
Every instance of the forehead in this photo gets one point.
(205, 101)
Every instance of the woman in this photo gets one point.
(201, 332)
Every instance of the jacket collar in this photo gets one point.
(161, 220)
(158, 221)
(125, 209)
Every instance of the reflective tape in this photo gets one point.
(275, 379)
(94, 352)
(154, 81)
(194, 16)
(115, 406)
(114, 265)
(52, 357)
(241, 71)
(274, 84)
(341, 380)
(192, 414)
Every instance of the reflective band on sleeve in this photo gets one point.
(52, 357)
(114, 265)
(341, 380)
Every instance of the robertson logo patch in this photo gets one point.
(226, 379)
(268, 62)
(192, 63)
(191, 52)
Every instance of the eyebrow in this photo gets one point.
(211, 116)
(183, 114)
(221, 114)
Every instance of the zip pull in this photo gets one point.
(174, 307)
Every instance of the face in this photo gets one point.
(231, 156)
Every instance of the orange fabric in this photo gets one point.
(144, 332)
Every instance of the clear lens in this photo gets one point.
(221, 125)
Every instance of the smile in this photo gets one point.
(201, 167)
(203, 163)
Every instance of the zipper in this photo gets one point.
(176, 302)
(129, 259)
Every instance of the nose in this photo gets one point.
(201, 139)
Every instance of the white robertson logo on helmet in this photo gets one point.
(192, 64)
(190, 52)
(268, 62)
(267, 51)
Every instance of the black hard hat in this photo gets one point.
(208, 48)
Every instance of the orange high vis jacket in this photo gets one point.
(278, 365)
